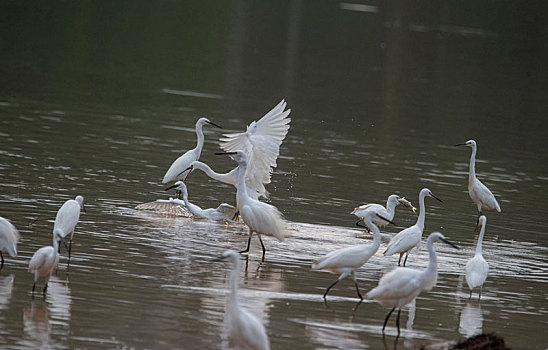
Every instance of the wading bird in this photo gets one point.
(261, 144)
(479, 193)
(260, 217)
(176, 170)
(244, 329)
(402, 285)
(347, 260)
(477, 268)
(386, 212)
(8, 239)
(410, 237)
(45, 260)
(67, 218)
(223, 212)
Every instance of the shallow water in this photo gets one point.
(101, 105)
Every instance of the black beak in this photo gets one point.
(184, 171)
(170, 187)
(435, 197)
(224, 153)
(64, 242)
(385, 219)
(460, 144)
(451, 244)
(214, 124)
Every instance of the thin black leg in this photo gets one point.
(33, 287)
(357, 288)
(2, 256)
(248, 243)
(235, 217)
(406, 255)
(262, 244)
(328, 288)
(398, 321)
(399, 260)
(479, 296)
(470, 297)
(70, 248)
(386, 319)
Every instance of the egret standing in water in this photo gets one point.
(410, 237)
(45, 260)
(402, 285)
(347, 260)
(477, 268)
(244, 329)
(479, 193)
(386, 212)
(176, 170)
(8, 239)
(260, 217)
(222, 212)
(67, 218)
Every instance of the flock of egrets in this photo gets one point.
(256, 151)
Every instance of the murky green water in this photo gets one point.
(98, 99)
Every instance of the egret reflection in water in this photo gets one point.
(471, 320)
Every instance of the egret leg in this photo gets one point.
(398, 321)
(248, 243)
(262, 244)
(386, 319)
(406, 255)
(33, 287)
(399, 260)
(70, 247)
(2, 256)
(479, 296)
(357, 288)
(328, 288)
(45, 289)
(470, 297)
(235, 217)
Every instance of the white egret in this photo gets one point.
(260, 217)
(401, 286)
(175, 171)
(219, 213)
(244, 329)
(347, 260)
(479, 193)
(8, 239)
(45, 260)
(261, 144)
(410, 237)
(67, 218)
(386, 212)
(477, 268)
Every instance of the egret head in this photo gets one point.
(80, 201)
(427, 192)
(178, 185)
(438, 237)
(469, 143)
(189, 169)
(203, 121)
(58, 235)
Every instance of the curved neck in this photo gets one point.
(422, 213)
(374, 230)
(200, 135)
(390, 207)
(480, 240)
(241, 178)
(193, 208)
(227, 178)
(433, 262)
(472, 173)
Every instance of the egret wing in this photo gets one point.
(261, 144)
